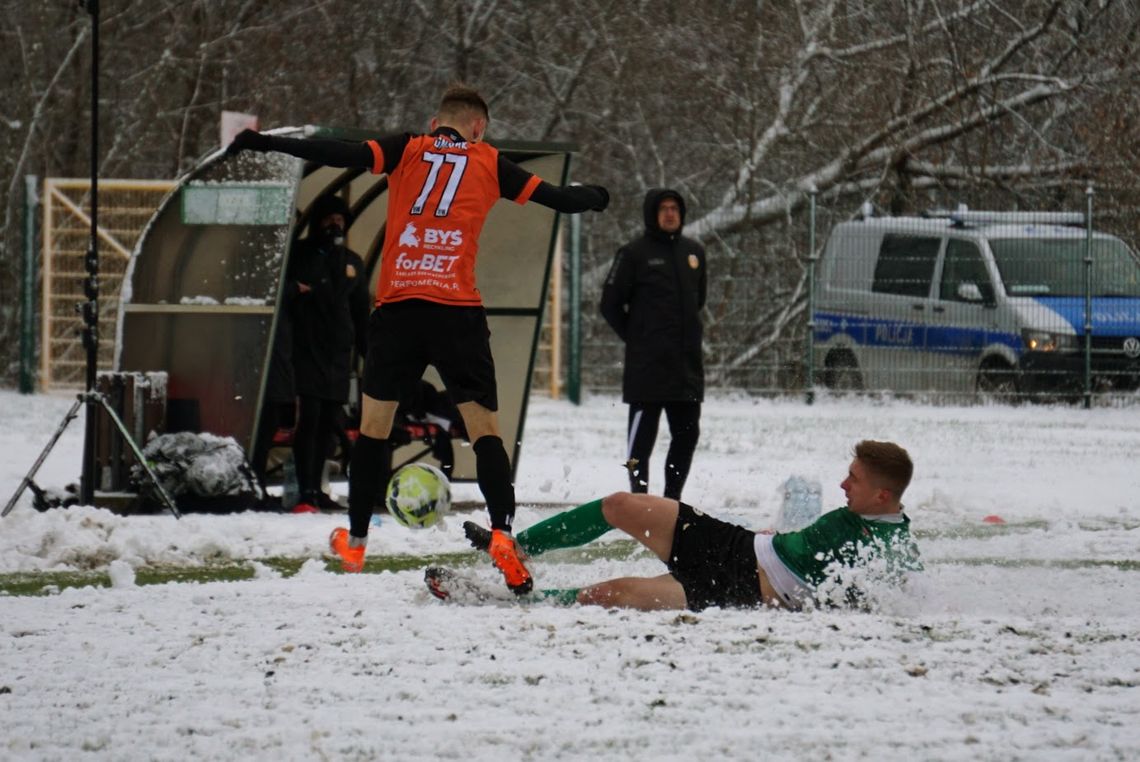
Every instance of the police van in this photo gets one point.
(972, 301)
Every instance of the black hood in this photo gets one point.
(653, 199)
(326, 205)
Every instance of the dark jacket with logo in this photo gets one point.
(652, 299)
(330, 319)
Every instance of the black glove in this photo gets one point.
(248, 140)
(605, 194)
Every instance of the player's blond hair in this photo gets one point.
(888, 464)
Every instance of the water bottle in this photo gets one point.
(802, 504)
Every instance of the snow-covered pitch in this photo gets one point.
(1021, 641)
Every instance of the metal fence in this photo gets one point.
(955, 305)
(960, 305)
(125, 206)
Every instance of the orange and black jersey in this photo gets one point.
(441, 188)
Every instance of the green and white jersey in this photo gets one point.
(843, 537)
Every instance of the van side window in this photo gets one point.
(964, 264)
(906, 265)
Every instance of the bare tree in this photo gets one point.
(742, 106)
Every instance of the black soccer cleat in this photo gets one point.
(479, 537)
(439, 581)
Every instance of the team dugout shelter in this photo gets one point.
(202, 290)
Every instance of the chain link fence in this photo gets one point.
(1001, 300)
(993, 301)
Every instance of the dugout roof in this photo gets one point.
(201, 292)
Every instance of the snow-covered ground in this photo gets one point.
(1022, 640)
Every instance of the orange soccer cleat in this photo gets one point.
(351, 557)
(505, 555)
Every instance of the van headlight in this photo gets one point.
(1043, 341)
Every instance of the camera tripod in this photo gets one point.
(91, 399)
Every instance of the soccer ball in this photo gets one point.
(418, 495)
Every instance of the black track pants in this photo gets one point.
(684, 427)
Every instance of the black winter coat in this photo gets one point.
(652, 299)
(279, 385)
(330, 319)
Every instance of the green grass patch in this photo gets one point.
(980, 530)
(1129, 565)
(51, 582)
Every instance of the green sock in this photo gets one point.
(565, 597)
(568, 529)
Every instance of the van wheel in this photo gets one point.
(997, 379)
(842, 372)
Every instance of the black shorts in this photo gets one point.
(405, 337)
(714, 561)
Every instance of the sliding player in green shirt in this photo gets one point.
(715, 563)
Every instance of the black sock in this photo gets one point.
(493, 470)
(368, 476)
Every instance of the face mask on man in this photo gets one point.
(333, 233)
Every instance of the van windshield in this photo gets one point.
(1056, 267)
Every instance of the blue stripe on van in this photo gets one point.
(969, 341)
(1111, 316)
(876, 332)
(869, 331)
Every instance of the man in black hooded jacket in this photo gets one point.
(652, 299)
(327, 290)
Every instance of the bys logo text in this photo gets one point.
(411, 237)
(443, 237)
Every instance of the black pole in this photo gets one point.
(91, 285)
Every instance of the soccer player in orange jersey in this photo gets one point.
(428, 310)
